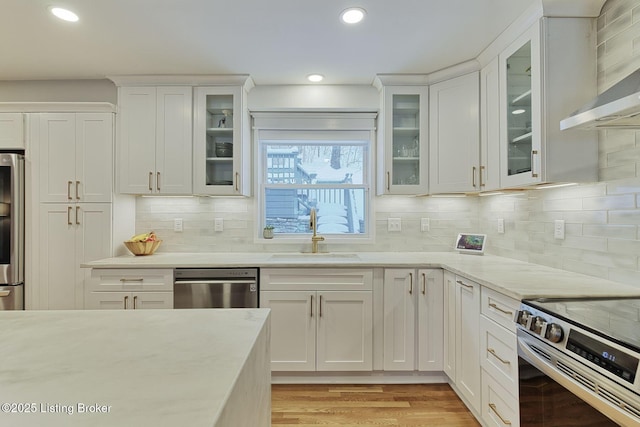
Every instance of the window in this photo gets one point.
(327, 170)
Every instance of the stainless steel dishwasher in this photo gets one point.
(215, 288)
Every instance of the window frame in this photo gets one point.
(345, 128)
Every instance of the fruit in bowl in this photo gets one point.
(143, 244)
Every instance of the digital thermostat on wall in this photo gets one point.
(471, 243)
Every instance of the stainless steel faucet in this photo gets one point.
(313, 225)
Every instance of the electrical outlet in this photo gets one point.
(501, 225)
(558, 229)
(177, 224)
(394, 224)
(425, 224)
(218, 224)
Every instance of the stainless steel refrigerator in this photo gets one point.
(11, 231)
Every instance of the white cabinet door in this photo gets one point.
(75, 157)
(450, 325)
(345, 331)
(57, 157)
(58, 261)
(430, 292)
(293, 329)
(454, 135)
(467, 340)
(173, 172)
(94, 157)
(11, 131)
(404, 128)
(221, 156)
(70, 234)
(490, 126)
(399, 319)
(136, 140)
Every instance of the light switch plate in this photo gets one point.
(218, 224)
(177, 224)
(501, 225)
(425, 224)
(558, 229)
(394, 224)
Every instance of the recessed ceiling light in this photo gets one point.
(315, 78)
(353, 15)
(64, 14)
(519, 111)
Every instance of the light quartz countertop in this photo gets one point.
(140, 368)
(514, 278)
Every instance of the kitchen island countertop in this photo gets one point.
(135, 368)
(511, 277)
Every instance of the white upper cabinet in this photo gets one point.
(76, 157)
(221, 148)
(402, 153)
(11, 131)
(489, 176)
(544, 74)
(454, 132)
(155, 140)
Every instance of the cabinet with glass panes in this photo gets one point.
(404, 124)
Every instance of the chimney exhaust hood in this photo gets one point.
(616, 108)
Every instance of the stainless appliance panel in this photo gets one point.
(215, 288)
(12, 297)
(11, 219)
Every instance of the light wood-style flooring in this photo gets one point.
(368, 405)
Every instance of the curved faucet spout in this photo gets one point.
(313, 225)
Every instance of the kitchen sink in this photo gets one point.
(337, 256)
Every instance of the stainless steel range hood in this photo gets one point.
(616, 108)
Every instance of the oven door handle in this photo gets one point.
(215, 282)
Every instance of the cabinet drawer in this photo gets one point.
(499, 354)
(313, 279)
(131, 279)
(499, 308)
(499, 407)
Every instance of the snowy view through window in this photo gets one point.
(329, 176)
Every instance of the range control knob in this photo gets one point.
(554, 333)
(523, 317)
(537, 323)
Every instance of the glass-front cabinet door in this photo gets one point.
(405, 140)
(219, 141)
(520, 110)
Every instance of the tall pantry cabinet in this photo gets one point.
(71, 202)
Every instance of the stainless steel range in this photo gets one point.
(579, 362)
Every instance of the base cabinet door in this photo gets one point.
(293, 329)
(345, 331)
(399, 319)
(467, 340)
(129, 300)
(449, 346)
(430, 292)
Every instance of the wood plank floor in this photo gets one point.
(368, 405)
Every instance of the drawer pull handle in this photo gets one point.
(158, 181)
(311, 305)
(492, 406)
(388, 181)
(533, 153)
(493, 352)
(507, 312)
(424, 284)
(150, 178)
(460, 282)
(410, 283)
(126, 298)
(135, 299)
(69, 208)
(473, 177)
(77, 195)
(481, 171)
(237, 182)
(69, 183)
(320, 309)
(125, 280)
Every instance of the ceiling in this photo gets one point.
(275, 41)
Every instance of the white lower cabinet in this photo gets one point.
(462, 346)
(499, 359)
(129, 289)
(315, 327)
(413, 311)
(71, 234)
